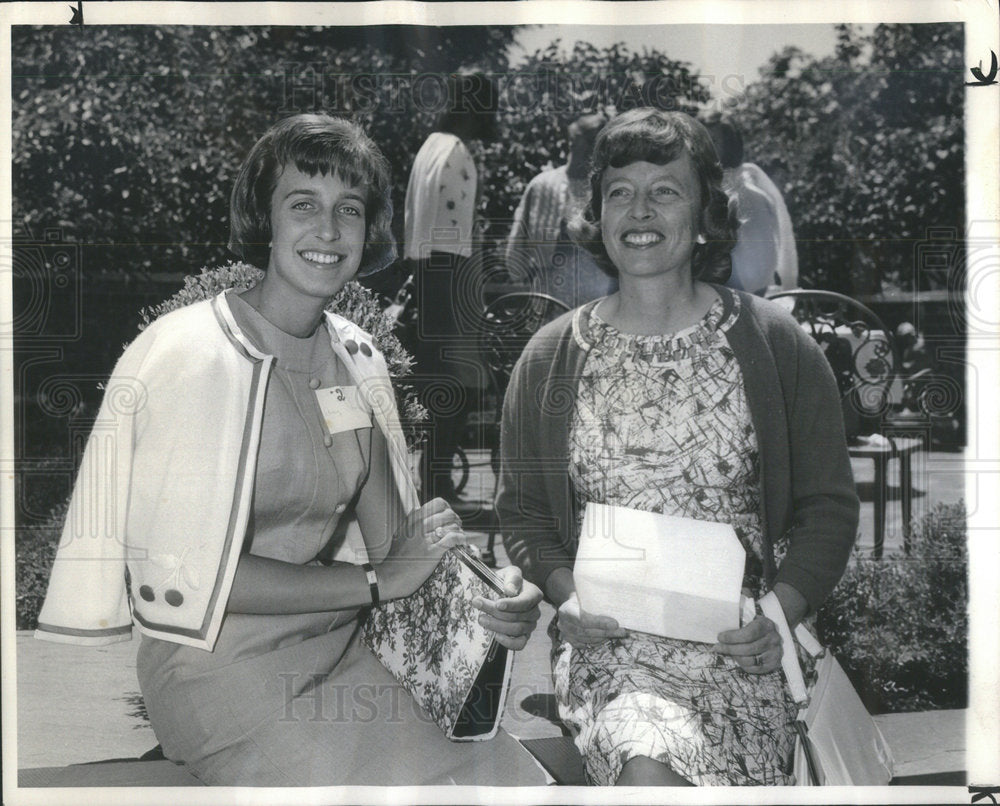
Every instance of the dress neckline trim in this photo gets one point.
(292, 353)
(711, 321)
(588, 329)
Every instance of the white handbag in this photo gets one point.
(838, 742)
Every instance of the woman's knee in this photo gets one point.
(644, 771)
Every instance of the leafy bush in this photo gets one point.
(131, 133)
(899, 626)
(127, 139)
(35, 547)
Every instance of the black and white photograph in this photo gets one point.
(500, 402)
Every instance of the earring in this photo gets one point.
(700, 239)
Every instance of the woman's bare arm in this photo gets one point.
(267, 586)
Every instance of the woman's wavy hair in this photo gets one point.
(313, 143)
(652, 135)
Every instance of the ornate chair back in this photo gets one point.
(858, 347)
(507, 324)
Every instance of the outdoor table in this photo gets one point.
(881, 452)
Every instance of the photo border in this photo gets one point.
(983, 352)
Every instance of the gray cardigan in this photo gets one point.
(806, 486)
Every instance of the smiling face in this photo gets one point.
(650, 216)
(317, 238)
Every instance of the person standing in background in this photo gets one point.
(539, 247)
(765, 253)
(439, 241)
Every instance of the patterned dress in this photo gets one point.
(662, 424)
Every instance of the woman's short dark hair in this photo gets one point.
(313, 143)
(652, 135)
(473, 101)
(728, 142)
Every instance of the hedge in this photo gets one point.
(900, 626)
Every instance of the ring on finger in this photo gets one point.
(758, 660)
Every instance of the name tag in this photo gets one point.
(343, 409)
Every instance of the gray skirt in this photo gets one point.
(315, 712)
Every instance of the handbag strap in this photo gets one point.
(808, 642)
(771, 607)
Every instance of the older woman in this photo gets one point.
(242, 442)
(679, 396)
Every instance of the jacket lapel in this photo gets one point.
(370, 374)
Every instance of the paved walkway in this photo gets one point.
(79, 704)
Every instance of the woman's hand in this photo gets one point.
(581, 629)
(756, 647)
(512, 618)
(425, 535)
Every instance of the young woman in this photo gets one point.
(242, 440)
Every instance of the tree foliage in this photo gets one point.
(133, 134)
(867, 146)
(130, 136)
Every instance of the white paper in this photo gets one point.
(661, 574)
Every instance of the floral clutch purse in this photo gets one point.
(433, 644)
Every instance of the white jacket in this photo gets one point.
(165, 489)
